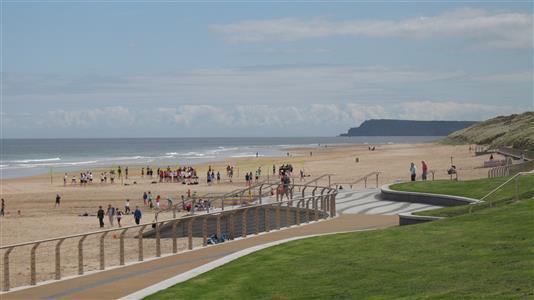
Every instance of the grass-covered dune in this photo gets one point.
(475, 189)
(486, 255)
(515, 130)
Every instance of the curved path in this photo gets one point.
(359, 210)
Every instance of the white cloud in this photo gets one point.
(503, 30)
(116, 116)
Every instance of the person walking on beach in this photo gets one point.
(65, 179)
(119, 172)
(127, 206)
(126, 172)
(145, 197)
(413, 171)
(424, 170)
(137, 215)
(100, 216)
(111, 214)
(58, 200)
(3, 211)
(119, 217)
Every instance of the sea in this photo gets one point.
(26, 157)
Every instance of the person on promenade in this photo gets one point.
(285, 184)
(137, 215)
(100, 216)
(58, 200)
(111, 214)
(424, 169)
(119, 216)
(127, 206)
(413, 171)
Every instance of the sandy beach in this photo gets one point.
(35, 196)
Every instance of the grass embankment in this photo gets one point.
(475, 189)
(488, 254)
(515, 130)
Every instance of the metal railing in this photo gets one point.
(364, 178)
(316, 205)
(510, 169)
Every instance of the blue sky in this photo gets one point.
(114, 69)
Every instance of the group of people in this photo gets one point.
(114, 213)
(184, 175)
(211, 177)
(413, 171)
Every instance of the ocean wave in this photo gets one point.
(36, 160)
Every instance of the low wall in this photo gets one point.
(424, 198)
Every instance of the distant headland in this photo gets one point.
(387, 127)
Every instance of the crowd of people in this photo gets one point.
(114, 213)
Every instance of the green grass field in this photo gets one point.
(485, 255)
(475, 189)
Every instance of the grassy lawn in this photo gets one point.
(475, 189)
(488, 254)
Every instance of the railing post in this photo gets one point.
(244, 223)
(377, 180)
(259, 196)
(308, 210)
(33, 272)
(6, 269)
(316, 208)
(232, 225)
(140, 238)
(80, 255)
(332, 205)
(219, 226)
(329, 184)
(257, 219)
(277, 215)
(267, 217)
(58, 259)
(158, 239)
(121, 246)
(205, 231)
(517, 187)
(174, 242)
(288, 215)
(297, 213)
(102, 253)
(365, 181)
(190, 234)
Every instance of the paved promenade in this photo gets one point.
(359, 210)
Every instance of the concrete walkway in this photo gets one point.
(360, 209)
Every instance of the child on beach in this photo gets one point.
(58, 199)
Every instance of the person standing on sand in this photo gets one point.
(119, 172)
(424, 170)
(126, 173)
(413, 171)
(100, 216)
(3, 211)
(145, 197)
(137, 215)
(127, 206)
(58, 200)
(119, 216)
(111, 214)
(65, 179)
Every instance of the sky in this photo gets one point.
(205, 69)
